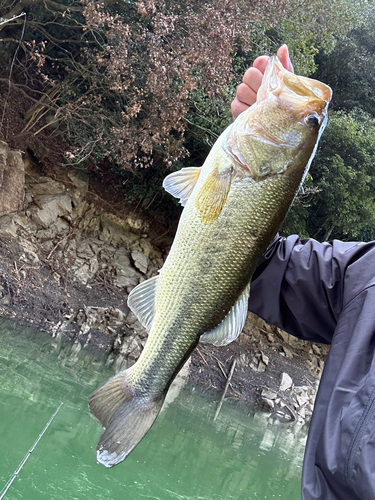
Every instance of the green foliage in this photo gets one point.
(315, 26)
(350, 68)
(343, 173)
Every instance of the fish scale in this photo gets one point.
(233, 207)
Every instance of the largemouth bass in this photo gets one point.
(233, 207)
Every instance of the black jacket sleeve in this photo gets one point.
(299, 285)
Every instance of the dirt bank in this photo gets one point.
(69, 257)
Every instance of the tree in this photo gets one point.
(114, 78)
(343, 177)
(350, 67)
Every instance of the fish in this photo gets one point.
(233, 207)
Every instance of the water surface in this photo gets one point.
(243, 455)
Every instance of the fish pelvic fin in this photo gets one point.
(126, 416)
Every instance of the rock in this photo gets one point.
(152, 271)
(116, 316)
(70, 250)
(316, 349)
(83, 273)
(86, 215)
(302, 412)
(309, 408)
(105, 319)
(53, 206)
(89, 247)
(30, 249)
(56, 277)
(61, 227)
(254, 366)
(267, 393)
(84, 250)
(147, 249)
(257, 364)
(7, 226)
(243, 360)
(80, 181)
(302, 400)
(268, 404)
(45, 234)
(116, 230)
(288, 352)
(94, 265)
(131, 319)
(47, 245)
(264, 358)
(106, 253)
(12, 179)
(127, 277)
(44, 186)
(140, 261)
(261, 366)
(286, 382)
(121, 259)
(303, 389)
(283, 335)
(6, 300)
(131, 348)
(24, 222)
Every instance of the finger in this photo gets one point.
(283, 55)
(237, 107)
(260, 63)
(246, 94)
(253, 78)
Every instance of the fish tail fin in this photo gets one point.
(125, 415)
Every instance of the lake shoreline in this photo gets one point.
(70, 256)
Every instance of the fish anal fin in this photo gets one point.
(180, 184)
(126, 416)
(233, 323)
(213, 195)
(141, 301)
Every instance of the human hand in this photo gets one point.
(247, 91)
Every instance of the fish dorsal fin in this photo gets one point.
(232, 325)
(141, 301)
(213, 194)
(180, 184)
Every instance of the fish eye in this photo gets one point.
(312, 120)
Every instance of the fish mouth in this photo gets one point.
(301, 89)
(307, 87)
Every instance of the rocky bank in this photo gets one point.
(69, 258)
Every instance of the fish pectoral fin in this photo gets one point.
(141, 301)
(180, 184)
(232, 325)
(125, 416)
(213, 194)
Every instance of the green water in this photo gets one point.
(243, 455)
